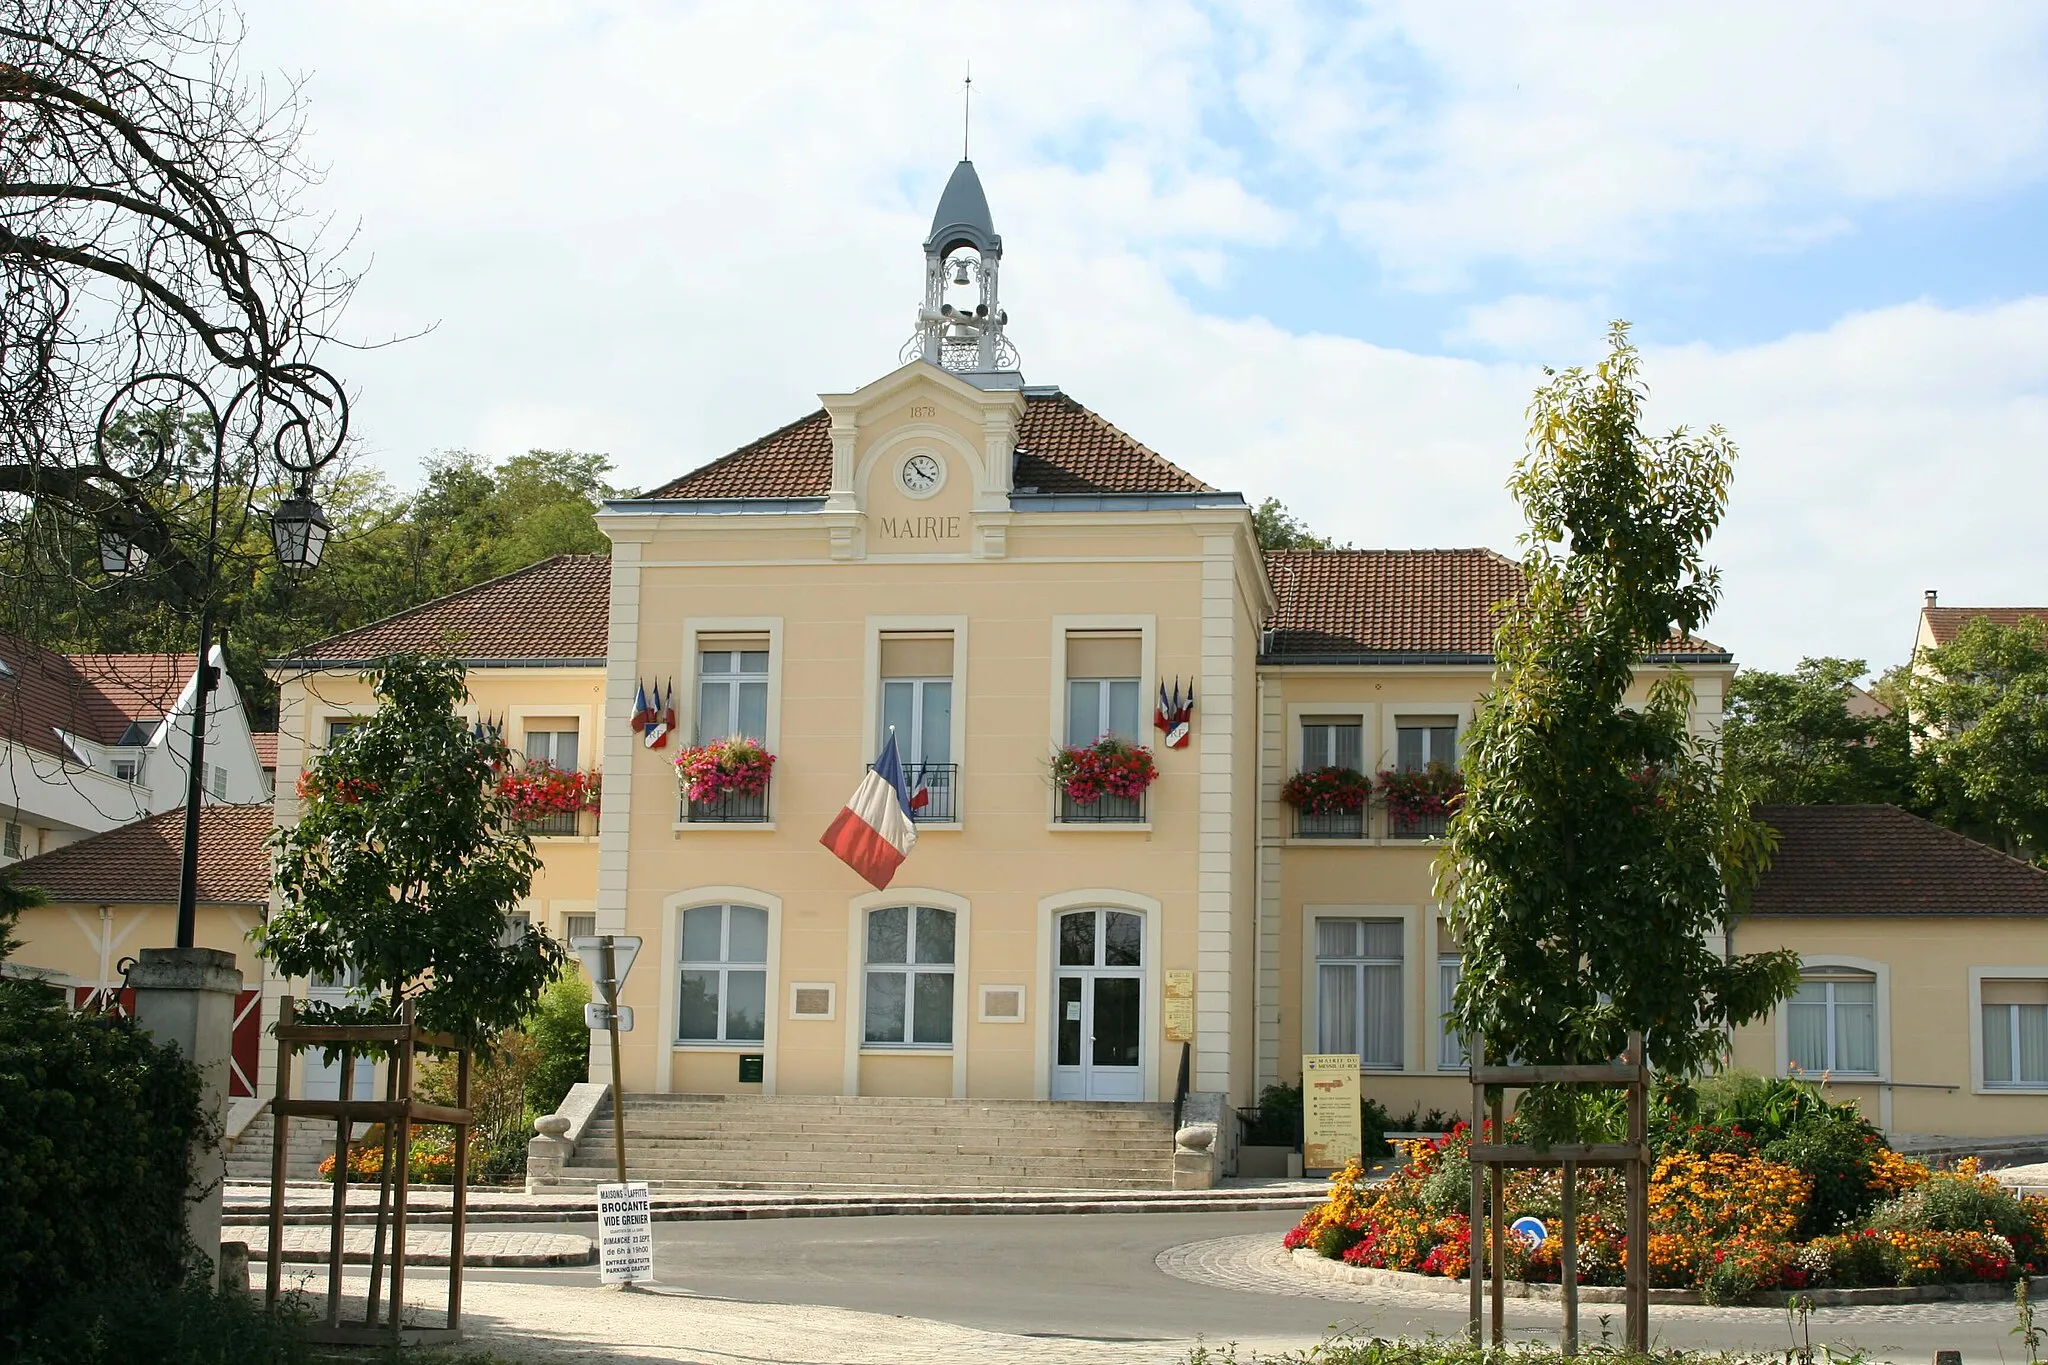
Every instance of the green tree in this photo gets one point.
(1597, 847)
(1279, 529)
(1791, 739)
(1979, 706)
(405, 865)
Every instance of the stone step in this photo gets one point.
(249, 1157)
(853, 1182)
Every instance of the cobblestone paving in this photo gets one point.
(424, 1246)
(1257, 1264)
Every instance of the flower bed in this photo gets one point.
(1108, 767)
(724, 767)
(432, 1162)
(1732, 1214)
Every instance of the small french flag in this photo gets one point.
(874, 833)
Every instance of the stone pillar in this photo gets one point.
(186, 997)
(547, 1152)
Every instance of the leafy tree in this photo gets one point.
(1792, 739)
(405, 865)
(1979, 706)
(1279, 529)
(562, 1040)
(1597, 846)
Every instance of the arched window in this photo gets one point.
(909, 977)
(724, 974)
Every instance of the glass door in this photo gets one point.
(1098, 1007)
(322, 1078)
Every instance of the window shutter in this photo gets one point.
(2020, 992)
(917, 656)
(1094, 655)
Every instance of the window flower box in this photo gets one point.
(544, 799)
(726, 781)
(1106, 780)
(1420, 801)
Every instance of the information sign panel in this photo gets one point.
(1332, 1133)
(1180, 1005)
(625, 1233)
(597, 1015)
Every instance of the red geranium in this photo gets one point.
(735, 766)
(540, 789)
(1109, 765)
(1327, 791)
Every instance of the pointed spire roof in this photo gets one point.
(963, 216)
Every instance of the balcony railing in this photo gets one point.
(1416, 826)
(732, 808)
(1103, 810)
(1336, 824)
(941, 784)
(561, 822)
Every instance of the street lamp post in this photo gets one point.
(297, 408)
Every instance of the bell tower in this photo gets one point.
(960, 324)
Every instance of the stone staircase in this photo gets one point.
(831, 1141)
(311, 1142)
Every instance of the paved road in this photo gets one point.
(1096, 1278)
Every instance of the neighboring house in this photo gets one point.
(114, 893)
(1925, 993)
(1939, 625)
(266, 757)
(92, 741)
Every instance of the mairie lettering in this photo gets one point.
(921, 528)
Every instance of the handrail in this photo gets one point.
(1180, 1086)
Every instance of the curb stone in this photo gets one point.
(1313, 1263)
(493, 1251)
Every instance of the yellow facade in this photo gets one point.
(1930, 974)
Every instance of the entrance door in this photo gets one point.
(322, 1077)
(1099, 1006)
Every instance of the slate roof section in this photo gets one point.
(1062, 447)
(138, 864)
(1944, 622)
(1403, 606)
(552, 612)
(1880, 861)
(45, 695)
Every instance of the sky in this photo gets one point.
(1318, 252)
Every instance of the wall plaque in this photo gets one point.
(1179, 1013)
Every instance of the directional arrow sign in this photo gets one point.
(625, 947)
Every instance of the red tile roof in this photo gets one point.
(44, 695)
(138, 864)
(1062, 447)
(555, 610)
(1363, 604)
(1880, 860)
(1944, 622)
(266, 747)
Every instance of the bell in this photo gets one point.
(960, 272)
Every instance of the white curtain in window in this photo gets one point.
(2033, 1048)
(1856, 1026)
(1337, 1008)
(1806, 1027)
(1450, 1055)
(1382, 992)
(1998, 1068)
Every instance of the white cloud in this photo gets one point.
(661, 232)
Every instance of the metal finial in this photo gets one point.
(966, 108)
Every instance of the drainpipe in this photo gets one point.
(106, 951)
(1258, 886)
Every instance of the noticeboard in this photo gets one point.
(1331, 1131)
(1179, 1013)
(625, 1233)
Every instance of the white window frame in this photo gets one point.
(911, 749)
(1447, 1038)
(732, 694)
(13, 840)
(134, 773)
(1313, 962)
(1819, 962)
(1979, 1085)
(854, 1021)
(554, 734)
(1145, 627)
(724, 966)
(1330, 720)
(912, 969)
(1416, 721)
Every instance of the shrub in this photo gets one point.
(189, 1324)
(1855, 1260)
(1741, 1266)
(99, 1119)
(1839, 1155)
(561, 1042)
(1374, 1122)
(1279, 1121)
(1962, 1201)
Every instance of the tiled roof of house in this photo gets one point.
(1880, 860)
(266, 747)
(1944, 622)
(1359, 605)
(557, 609)
(45, 695)
(139, 863)
(1062, 447)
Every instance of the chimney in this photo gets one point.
(1932, 596)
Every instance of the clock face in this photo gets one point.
(921, 474)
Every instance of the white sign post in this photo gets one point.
(625, 1233)
(608, 957)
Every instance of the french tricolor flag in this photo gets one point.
(874, 833)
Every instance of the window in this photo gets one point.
(910, 977)
(724, 974)
(1450, 965)
(340, 726)
(732, 693)
(1422, 740)
(1358, 990)
(1332, 742)
(1103, 693)
(220, 784)
(127, 769)
(579, 926)
(11, 845)
(517, 923)
(2015, 1033)
(555, 745)
(1831, 1023)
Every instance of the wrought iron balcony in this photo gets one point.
(561, 822)
(1401, 826)
(1103, 810)
(1336, 824)
(941, 785)
(731, 808)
